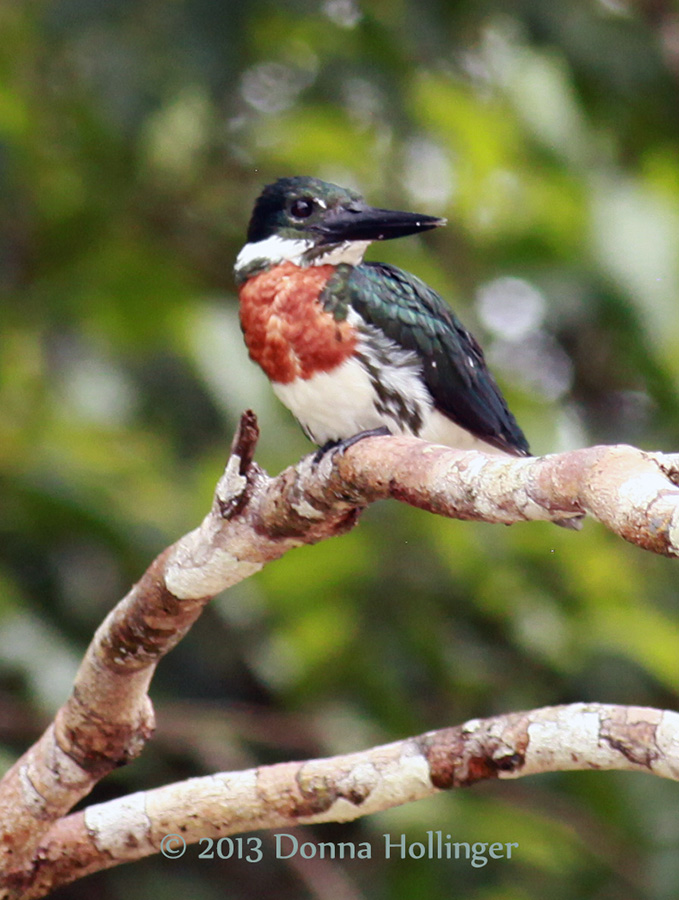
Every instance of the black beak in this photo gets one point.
(360, 222)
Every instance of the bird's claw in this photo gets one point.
(343, 445)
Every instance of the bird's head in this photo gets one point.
(309, 221)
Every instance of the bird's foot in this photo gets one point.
(343, 445)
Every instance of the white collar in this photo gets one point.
(274, 250)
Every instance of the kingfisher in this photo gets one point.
(353, 347)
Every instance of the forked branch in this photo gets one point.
(255, 519)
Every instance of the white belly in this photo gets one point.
(439, 429)
(332, 406)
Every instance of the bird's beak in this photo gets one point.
(360, 222)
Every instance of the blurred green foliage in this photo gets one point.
(134, 137)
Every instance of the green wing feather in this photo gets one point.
(454, 369)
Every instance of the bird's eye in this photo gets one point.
(302, 208)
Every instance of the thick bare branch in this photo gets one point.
(254, 519)
(628, 490)
(560, 738)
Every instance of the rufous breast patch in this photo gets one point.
(286, 329)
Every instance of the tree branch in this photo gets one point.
(342, 788)
(256, 518)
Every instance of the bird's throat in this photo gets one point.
(258, 256)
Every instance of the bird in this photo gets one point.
(353, 347)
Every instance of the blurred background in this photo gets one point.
(134, 138)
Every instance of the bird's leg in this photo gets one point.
(341, 446)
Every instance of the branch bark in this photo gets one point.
(256, 518)
(342, 788)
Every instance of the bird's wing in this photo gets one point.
(453, 367)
